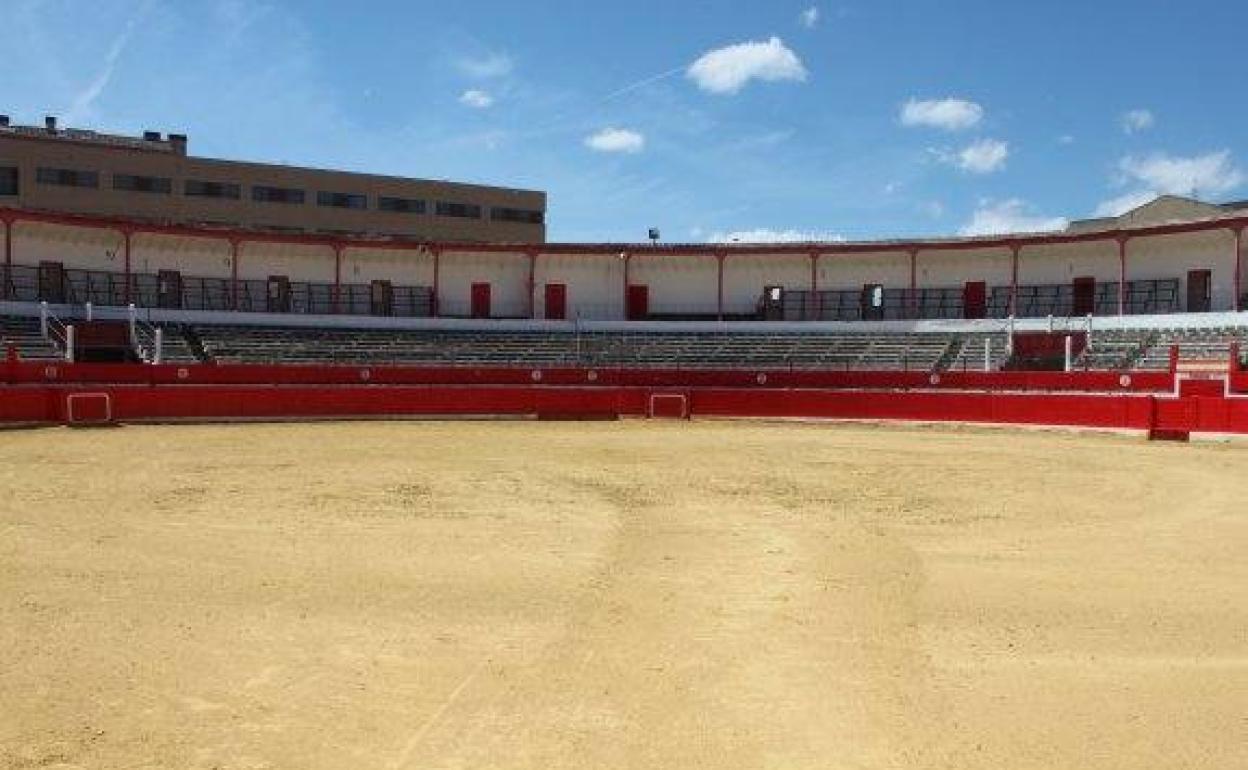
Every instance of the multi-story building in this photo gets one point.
(152, 178)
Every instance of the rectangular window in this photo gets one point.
(461, 210)
(147, 184)
(201, 189)
(342, 200)
(67, 177)
(401, 205)
(263, 194)
(523, 216)
(8, 180)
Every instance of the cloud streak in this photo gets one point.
(83, 101)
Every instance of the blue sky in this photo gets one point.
(708, 119)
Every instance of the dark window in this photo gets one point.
(8, 180)
(401, 205)
(148, 184)
(67, 177)
(211, 189)
(462, 210)
(342, 200)
(524, 216)
(276, 194)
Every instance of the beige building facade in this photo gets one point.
(153, 178)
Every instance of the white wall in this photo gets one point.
(300, 263)
(853, 271)
(197, 257)
(402, 267)
(954, 269)
(85, 248)
(677, 284)
(595, 284)
(507, 274)
(1171, 256)
(746, 276)
(1063, 263)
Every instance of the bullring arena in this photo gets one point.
(627, 594)
(378, 501)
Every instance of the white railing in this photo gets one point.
(147, 341)
(56, 331)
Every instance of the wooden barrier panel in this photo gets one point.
(61, 403)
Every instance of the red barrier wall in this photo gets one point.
(1197, 413)
(199, 374)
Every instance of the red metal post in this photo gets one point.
(1122, 275)
(8, 257)
(628, 258)
(234, 252)
(1014, 251)
(437, 262)
(719, 292)
(816, 306)
(1239, 257)
(125, 233)
(337, 298)
(532, 284)
(914, 283)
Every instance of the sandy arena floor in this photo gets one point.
(624, 595)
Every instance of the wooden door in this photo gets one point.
(555, 308)
(480, 300)
(1199, 291)
(974, 299)
(638, 302)
(1084, 300)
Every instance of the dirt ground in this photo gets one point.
(619, 595)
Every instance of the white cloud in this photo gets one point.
(616, 140)
(932, 209)
(1066, 139)
(476, 99)
(493, 65)
(1134, 121)
(946, 114)
(809, 17)
(1210, 174)
(984, 156)
(727, 70)
(767, 235)
(1213, 173)
(1009, 216)
(1115, 207)
(81, 105)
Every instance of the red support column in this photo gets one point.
(8, 258)
(1122, 276)
(1014, 251)
(337, 298)
(913, 298)
(234, 252)
(628, 258)
(126, 291)
(532, 285)
(437, 262)
(816, 305)
(1239, 258)
(719, 291)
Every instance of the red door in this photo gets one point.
(480, 300)
(974, 299)
(638, 302)
(1084, 296)
(1199, 298)
(556, 305)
